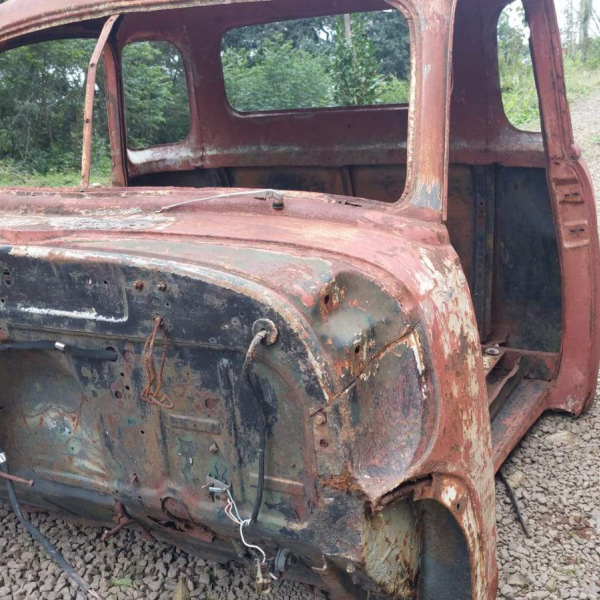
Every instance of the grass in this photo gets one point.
(519, 94)
(12, 175)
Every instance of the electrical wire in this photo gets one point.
(231, 510)
(37, 535)
(262, 419)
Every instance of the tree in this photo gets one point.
(354, 63)
(156, 96)
(282, 77)
(585, 15)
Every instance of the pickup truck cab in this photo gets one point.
(302, 335)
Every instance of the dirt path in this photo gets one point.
(585, 114)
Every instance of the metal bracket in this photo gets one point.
(88, 111)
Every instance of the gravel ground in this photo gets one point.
(555, 473)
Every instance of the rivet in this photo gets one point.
(320, 419)
(492, 351)
(162, 286)
(214, 449)
(138, 285)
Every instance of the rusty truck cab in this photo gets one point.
(376, 301)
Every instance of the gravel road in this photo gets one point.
(555, 473)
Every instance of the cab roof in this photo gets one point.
(25, 18)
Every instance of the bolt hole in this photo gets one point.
(118, 394)
(323, 443)
(106, 282)
(142, 432)
(122, 374)
(127, 388)
(167, 304)
(327, 299)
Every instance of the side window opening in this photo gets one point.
(360, 59)
(517, 82)
(42, 92)
(157, 107)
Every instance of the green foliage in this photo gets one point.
(354, 65)
(517, 82)
(519, 94)
(42, 89)
(393, 91)
(156, 97)
(310, 63)
(278, 76)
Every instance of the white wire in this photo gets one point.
(251, 546)
(229, 508)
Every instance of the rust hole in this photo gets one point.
(356, 349)
(111, 349)
(212, 403)
(327, 299)
(118, 394)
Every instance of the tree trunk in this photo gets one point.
(348, 29)
(585, 13)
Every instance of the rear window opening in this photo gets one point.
(359, 59)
